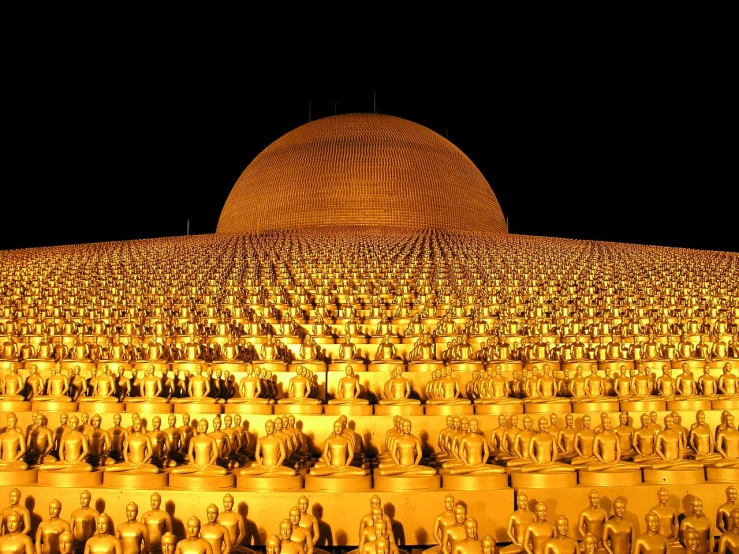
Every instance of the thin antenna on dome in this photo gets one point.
(374, 109)
(309, 114)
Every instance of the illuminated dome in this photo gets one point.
(361, 169)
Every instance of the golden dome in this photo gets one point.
(361, 169)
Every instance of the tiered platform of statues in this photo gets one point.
(547, 385)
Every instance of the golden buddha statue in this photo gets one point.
(728, 542)
(698, 521)
(518, 521)
(251, 389)
(269, 455)
(73, 448)
(539, 532)
(406, 453)
(198, 389)
(158, 524)
(137, 451)
(12, 385)
(202, 451)
(618, 532)
(337, 456)
(193, 543)
(12, 446)
(151, 388)
(561, 543)
(386, 351)
(300, 388)
(606, 451)
(397, 390)
(349, 390)
(592, 518)
(50, 530)
(471, 455)
(445, 390)
(727, 445)
(727, 383)
(13, 541)
(542, 453)
(34, 385)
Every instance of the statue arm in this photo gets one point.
(419, 451)
(527, 541)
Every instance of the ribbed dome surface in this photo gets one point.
(361, 169)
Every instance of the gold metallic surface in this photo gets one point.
(370, 169)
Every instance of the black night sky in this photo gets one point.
(633, 165)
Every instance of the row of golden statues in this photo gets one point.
(454, 530)
(79, 443)
(209, 383)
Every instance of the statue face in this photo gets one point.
(620, 508)
(13, 522)
(562, 526)
(193, 527)
(697, 506)
(55, 507)
(460, 513)
(286, 530)
(731, 494)
(212, 513)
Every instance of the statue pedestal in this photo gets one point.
(42, 365)
(467, 365)
(248, 408)
(338, 483)
(84, 365)
(103, 407)
(16, 406)
(129, 480)
(722, 474)
(609, 478)
(323, 339)
(688, 405)
(449, 409)
(728, 404)
(148, 407)
(520, 480)
(674, 476)
(348, 409)
(186, 365)
(275, 366)
(358, 366)
(425, 366)
(647, 405)
(298, 408)
(386, 366)
(159, 365)
(314, 366)
(615, 365)
(508, 366)
(695, 364)
(232, 366)
(18, 477)
(596, 406)
(54, 406)
(474, 482)
(195, 482)
(269, 484)
(504, 408)
(399, 409)
(406, 483)
(113, 365)
(573, 364)
(61, 478)
(561, 406)
(195, 408)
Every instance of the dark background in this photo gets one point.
(573, 159)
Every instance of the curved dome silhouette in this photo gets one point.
(361, 169)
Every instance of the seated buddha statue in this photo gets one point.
(701, 441)
(57, 386)
(406, 453)
(669, 447)
(386, 350)
(496, 389)
(518, 442)
(349, 390)
(686, 386)
(73, 448)
(270, 453)
(471, 455)
(151, 388)
(397, 390)
(12, 446)
(707, 384)
(137, 450)
(665, 384)
(337, 456)
(300, 388)
(542, 453)
(12, 385)
(727, 383)
(310, 351)
(198, 389)
(642, 384)
(203, 454)
(727, 445)
(607, 451)
(547, 387)
(103, 387)
(251, 389)
(445, 390)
